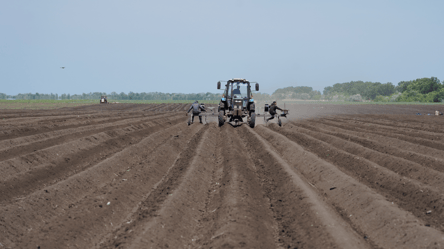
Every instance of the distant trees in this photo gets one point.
(36, 96)
(421, 90)
(368, 90)
(65, 96)
(131, 96)
(296, 92)
(423, 85)
(261, 96)
(122, 96)
(402, 86)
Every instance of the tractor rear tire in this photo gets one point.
(252, 120)
(221, 118)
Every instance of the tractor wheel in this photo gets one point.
(252, 119)
(221, 118)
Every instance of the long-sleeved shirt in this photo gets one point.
(196, 107)
(272, 109)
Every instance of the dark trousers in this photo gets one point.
(192, 117)
(272, 116)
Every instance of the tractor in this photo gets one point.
(237, 102)
(103, 100)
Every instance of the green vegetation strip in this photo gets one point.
(54, 104)
(41, 104)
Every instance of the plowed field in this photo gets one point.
(136, 176)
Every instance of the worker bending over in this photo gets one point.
(272, 110)
(197, 108)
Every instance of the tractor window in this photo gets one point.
(239, 90)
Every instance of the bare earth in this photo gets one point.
(136, 176)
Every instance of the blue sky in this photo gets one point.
(187, 46)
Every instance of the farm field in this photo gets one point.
(36, 104)
(136, 176)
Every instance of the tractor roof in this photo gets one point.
(238, 80)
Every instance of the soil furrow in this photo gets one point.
(374, 126)
(415, 140)
(396, 164)
(373, 216)
(301, 212)
(62, 124)
(20, 131)
(228, 220)
(137, 176)
(431, 124)
(74, 149)
(21, 146)
(424, 156)
(173, 225)
(409, 194)
(51, 173)
(154, 206)
(77, 208)
(66, 151)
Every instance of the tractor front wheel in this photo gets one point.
(221, 118)
(252, 120)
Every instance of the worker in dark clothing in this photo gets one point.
(196, 107)
(272, 110)
(237, 90)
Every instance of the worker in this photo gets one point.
(196, 107)
(237, 90)
(272, 110)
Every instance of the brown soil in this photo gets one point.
(137, 176)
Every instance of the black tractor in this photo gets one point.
(237, 102)
(103, 100)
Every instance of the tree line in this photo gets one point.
(368, 90)
(126, 96)
(419, 90)
(296, 92)
(116, 96)
(30, 96)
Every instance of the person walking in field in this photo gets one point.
(197, 108)
(272, 110)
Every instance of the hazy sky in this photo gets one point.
(187, 46)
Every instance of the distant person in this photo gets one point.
(272, 110)
(197, 108)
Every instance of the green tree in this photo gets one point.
(327, 90)
(425, 85)
(402, 86)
